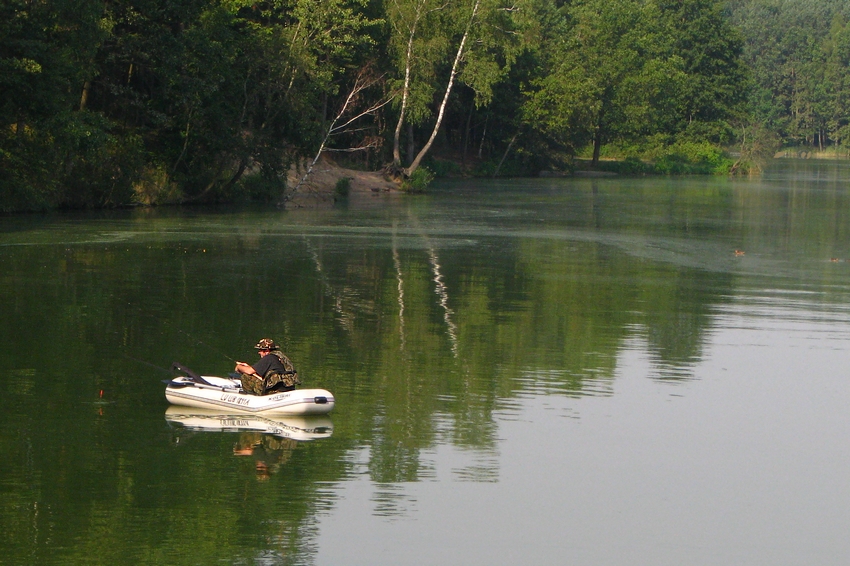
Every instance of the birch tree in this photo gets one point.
(479, 39)
(415, 47)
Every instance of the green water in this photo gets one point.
(540, 371)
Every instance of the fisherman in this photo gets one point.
(274, 373)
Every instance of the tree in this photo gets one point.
(612, 77)
(650, 73)
(46, 56)
(485, 37)
(837, 80)
(416, 47)
(791, 47)
(217, 89)
(715, 89)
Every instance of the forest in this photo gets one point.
(111, 103)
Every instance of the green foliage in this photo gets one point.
(798, 53)
(682, 158)
(442, 167)
(111, 103)
(259, 186)
(342, 187)
(518, 163)
(235, 86)
(629, 71)
(628, 166)
(693, 158)
(99, 167)
(418, 181)
(154, 187)
(29, 183)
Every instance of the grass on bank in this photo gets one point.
(684, 158)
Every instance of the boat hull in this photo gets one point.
(225, 395)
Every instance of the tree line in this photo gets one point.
(798, 52)
(113, 102)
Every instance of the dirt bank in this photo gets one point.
(319, 190)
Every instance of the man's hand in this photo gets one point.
(242, 367)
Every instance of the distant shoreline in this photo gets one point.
(803, 153)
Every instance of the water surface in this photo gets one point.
(542, 371)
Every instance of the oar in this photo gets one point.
(205, 385)
(191, 374)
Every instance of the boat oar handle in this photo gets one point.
(204, 385)
(177, 366)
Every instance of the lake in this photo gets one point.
(584, 371)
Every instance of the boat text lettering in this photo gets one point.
(230, 398)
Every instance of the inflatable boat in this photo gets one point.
(296, 427)
(225, 395)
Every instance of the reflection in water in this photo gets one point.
(441, 289)
(391, 500)
(346, 319)
(269, 440)
(484, 470)
(301, 429)
(443, 294)
(268, 452)
(397, 265)
(825, 325)
(590, 383)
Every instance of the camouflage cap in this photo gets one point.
(267, 344)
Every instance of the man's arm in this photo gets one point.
(242, 367)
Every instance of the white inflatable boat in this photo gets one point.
(300, 428)
(225, 395)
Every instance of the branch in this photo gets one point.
(363, 81)
(370, 110)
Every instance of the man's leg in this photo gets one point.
(251, 384)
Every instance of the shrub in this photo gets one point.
(628, 166)
(418, 180)
(342, 187)
(442, 168)
(154, 187)
(688, 158)
(263, 185)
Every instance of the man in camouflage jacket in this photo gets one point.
(272, 374)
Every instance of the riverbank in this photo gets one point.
(809, 153)
(330, 182)
(327, 184)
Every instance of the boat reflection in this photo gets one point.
(269, 441)
(299, 428)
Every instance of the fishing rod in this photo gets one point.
(147, 363)
(193, 338)
(202, 343)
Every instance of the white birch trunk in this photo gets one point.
(460, 51)
(404, 94)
